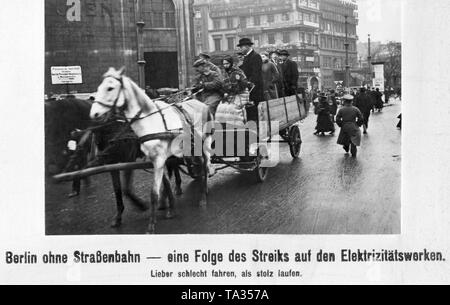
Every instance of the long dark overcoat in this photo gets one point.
(252, 67)
(324, 122)
(349, 118)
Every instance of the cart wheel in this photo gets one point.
(261, 172)
(295, 142)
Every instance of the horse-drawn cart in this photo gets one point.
(248, 148)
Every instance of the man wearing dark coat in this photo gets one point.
(349, 119)
(290, 74)
(274, 57)
(333, 105)
(364, 103)
(378, 100)
(209, 83)
(270, 77)
(252, 67)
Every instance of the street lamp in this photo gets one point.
(347, 66)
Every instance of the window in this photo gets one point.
(323, 43)
(257, 20)
(243, 22)
(271, 18)
(257, 40)
(285, 17)
(216, 24)
(306, 17)
(230, 23)
(231, 43)
(286, 37)
(329, 43)
(271, 38)
(159, 13)
(302, 37)
(309, 38)
(218, 44)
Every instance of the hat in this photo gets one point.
(198, 63)
(321, 94)
(229, 59)
(245, 42)
(284, 53)
(204, 55)
(348, 97)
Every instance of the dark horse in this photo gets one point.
(112, 139)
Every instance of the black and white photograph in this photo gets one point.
(303, 99)
(232, 142)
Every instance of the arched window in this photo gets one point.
(159, 13)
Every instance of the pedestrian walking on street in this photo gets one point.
(290, 73)
(252, 67)
(365, 104)
(270, 77)
(324, 122)
(378, 100)
(349, 119)
(333, 106)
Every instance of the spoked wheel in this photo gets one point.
(261, 172)
(295, 142)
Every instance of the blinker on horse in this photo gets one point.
(157, 124)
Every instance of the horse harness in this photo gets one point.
(168, 134)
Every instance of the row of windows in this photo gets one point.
(338, 27)
(336, 43)
(269, 38)
(243, 22)
(159, 13)
(337, 62)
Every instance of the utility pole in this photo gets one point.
(140, 24)
(369, 60)
(347, 66)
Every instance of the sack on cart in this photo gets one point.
(231, 113)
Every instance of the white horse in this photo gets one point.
(156, 124)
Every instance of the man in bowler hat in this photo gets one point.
(252, 67)
(290, 73)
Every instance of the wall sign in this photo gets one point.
(66, 75)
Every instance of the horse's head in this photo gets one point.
(110, 94)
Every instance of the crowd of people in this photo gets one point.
(263, 77)
(357, 107)
(272, 75)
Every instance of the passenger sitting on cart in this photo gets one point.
(235, 82)
(209, 83)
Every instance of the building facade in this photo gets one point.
(337, 30)
(153, 39)
(303, 27)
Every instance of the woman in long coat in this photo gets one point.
(324, 122)
(349, 119)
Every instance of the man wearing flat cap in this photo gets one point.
(290, 73)
(209, 83)
(252, 67)
(206, 57)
